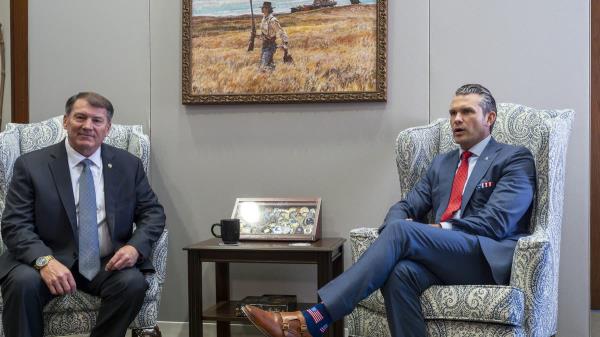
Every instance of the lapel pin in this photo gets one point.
(110, 165)
(486, 158)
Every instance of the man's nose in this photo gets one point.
(87, 123)
(458, 118)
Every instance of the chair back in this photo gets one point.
(18, 139)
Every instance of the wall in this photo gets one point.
(101, 46)
(203, 157)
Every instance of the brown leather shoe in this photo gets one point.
(277, 324)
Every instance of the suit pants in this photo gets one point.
(404, 261)
(24, 294)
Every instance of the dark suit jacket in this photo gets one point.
(39, 216)
(496, 203)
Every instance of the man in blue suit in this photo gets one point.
(481, 197)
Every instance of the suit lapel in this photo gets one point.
(110, 186)
(59, 167)
(446, 177)
(483, 164)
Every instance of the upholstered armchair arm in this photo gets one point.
(159, 257)
(533, 273)
(360, 239)
(9, 151)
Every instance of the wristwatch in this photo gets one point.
(42, 261)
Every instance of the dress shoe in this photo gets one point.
(277, 324)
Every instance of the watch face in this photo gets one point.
(41, 261)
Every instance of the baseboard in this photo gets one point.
(181, 329)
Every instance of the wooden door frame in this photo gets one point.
(595, 154)
(19, 60)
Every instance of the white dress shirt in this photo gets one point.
(76, 168)
(476, 151)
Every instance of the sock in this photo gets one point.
(317, 320)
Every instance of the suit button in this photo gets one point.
(75, 255)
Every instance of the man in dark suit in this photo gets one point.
(68, 224)
(481, 197)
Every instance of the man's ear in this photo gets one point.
(491, 117)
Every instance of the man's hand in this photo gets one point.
(125, 257)
(436, 225)
(58, 278)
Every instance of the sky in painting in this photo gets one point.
(240, 7)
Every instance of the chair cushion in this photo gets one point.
(475, 303)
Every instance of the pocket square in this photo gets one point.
(485, 184)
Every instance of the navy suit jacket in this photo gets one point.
(39, 217)
(496, 203)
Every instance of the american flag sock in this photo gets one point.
(317, 320)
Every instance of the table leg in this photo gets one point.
(195, 294)
(222, 295)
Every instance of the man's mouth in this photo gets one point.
(458, 130)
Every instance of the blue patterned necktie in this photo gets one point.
(89, 247)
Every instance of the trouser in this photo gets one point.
(266, 57)
(404, 261)
(24, 294)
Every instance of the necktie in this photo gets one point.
(89, 248)
(460, 178)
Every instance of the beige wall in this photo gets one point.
(203, 157)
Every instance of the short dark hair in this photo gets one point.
(94, 99)
(487, 104)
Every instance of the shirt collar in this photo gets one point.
(478, 148)
(75, 157)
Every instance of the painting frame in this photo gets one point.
(379, 94)
(270, 213)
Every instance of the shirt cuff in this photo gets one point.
(446, 225)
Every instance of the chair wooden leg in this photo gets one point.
(152, 332)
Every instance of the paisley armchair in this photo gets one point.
(528, 305)
(76, 313)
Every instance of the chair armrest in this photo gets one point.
(159, 256)
(533, 273)
(360, 239)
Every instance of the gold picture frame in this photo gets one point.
(339, 53)
(278, 219)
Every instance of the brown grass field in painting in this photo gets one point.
(334, 50)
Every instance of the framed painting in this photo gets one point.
(286, 51)
(278, 219)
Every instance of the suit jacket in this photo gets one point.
(496, 203)
(40, 218)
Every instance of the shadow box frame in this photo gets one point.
(277, 207)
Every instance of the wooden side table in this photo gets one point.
(327, 254)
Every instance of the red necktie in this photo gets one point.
(460, 178)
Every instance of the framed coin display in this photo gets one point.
(279, 219)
